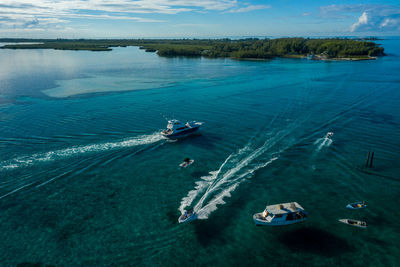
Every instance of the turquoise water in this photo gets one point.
(86, 179)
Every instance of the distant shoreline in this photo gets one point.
(333, 59)
(244, 49)
(305, 57)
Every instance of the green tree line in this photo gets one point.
(243, 48)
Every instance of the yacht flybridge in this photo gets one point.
(177, 129)
(281, 214)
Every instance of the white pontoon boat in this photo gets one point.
(281, 214)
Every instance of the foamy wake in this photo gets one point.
(204, 211)
(322, 142)
(220, 184)
(200, 186)
(74, 151)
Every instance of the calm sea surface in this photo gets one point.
(87, 180)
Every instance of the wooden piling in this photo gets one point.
(372, 158)
(366, 163)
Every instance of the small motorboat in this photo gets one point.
(311, 56)
(329, 135)
(357, 205)
(281, 214)
(187, 216)
(176, 129)
(186, 162)
(354, 223)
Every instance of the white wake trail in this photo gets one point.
(73, 151)
(208, 182)
(322, 142)
(236, 168)
(222, 182)
(211, 206)
(200, 186)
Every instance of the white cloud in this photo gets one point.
(390, 23)
(48, 13)
(62, 7)
(376, 17)
(362, 20)
(248, 8)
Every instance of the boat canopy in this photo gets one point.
(284, 208)
(174, 124)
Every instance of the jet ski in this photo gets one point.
(186, 162)
(329, 135)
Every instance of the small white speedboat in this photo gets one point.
(355, 223)
(329, 135)
(187, 216)
(186, 162)
(176, 129)
(356, 205)
(281, 214)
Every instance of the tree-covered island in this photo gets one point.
(251, 48)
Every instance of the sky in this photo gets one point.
(197, 18)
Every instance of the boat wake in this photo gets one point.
(211, 190)
(326, 141)
(25, 161)
(25, 181)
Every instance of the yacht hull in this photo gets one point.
(182, 133)
(188, 219)
(261, 222)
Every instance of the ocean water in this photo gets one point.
(87, 180)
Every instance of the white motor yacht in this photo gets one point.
(176, 129)
(281, 214)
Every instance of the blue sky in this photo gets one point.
(197, 18)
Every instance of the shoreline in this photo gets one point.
(320, 57)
